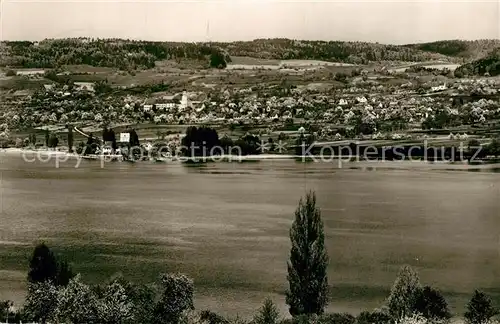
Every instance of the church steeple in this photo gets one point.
(207, 35)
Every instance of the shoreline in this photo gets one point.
(234, 158)
(342, 162)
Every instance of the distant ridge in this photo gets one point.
(132, 54)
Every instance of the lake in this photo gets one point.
(226, 225)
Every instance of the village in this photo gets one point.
(366, 104)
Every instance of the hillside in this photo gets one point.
(337, 51)
(489, 64)
(469, 50)
(132, 55)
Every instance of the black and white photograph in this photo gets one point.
(250, 161)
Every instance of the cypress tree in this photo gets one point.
(308, 262)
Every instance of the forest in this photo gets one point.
(132, 54)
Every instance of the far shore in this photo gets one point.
(346, 162)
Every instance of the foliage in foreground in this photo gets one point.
(268, 314)
(480, 309)
(432, 305)
(115, 303)
(413, 319)
(404, 294)
(373, 317)
(41, 302)
(176, 297)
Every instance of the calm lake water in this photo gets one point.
(226, 225)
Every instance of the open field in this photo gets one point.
(245, 60)
(83, 68)
(248, 63)
(430, 65)
(308, 63)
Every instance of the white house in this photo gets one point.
(361, 100)
(439, 88)
(166, 106)
(342, 102)
(84, 86)
(49, 87)
(30, 72)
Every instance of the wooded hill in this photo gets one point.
(489, 64)
(469, 50)
(131, 54)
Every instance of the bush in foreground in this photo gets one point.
(337, 318)
(479, 309)
(210, 317)
(41, 302)
(78, 303)
(413, 319)
(176, 297)
(375, 317)
(268, 314)
(404, 294)
(115, 306)
(432, 305)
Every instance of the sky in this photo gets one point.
(394, 22)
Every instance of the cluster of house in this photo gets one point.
(341, 108)
(78, 87)
(354, 104)
(170, 104)
(31, 73)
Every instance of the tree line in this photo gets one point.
(131, 54)
(205, 141)
(121, 54)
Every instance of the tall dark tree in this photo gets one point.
(47, 137)
(307, 278)
(200, 141)
(432, 305)
(250, 144)
(44, 266)
(64, 273)
(217, 60)
(70, 138)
